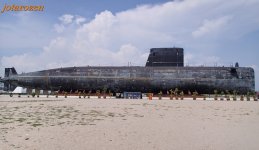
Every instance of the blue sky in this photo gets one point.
(115, 32)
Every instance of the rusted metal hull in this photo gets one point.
(143, 79)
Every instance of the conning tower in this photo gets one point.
(165, 57)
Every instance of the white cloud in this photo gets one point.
(59, 28)
(66, 19)
(211, 26)
(68, 22)
(79, 20)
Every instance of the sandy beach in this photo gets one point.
(73, 123)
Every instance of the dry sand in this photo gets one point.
(79, 124)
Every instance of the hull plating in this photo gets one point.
(143, 79)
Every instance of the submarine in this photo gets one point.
(164, 70)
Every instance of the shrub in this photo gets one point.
(171, 94)
(89, 93)
(234, 95)
(194, 94)
(104, 92)
(160, 95)
(79, 94)
(215, 95)
(182, 94)
(98, 93)
(33, 94)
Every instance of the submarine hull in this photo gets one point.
(143, 79)
(164, 70)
